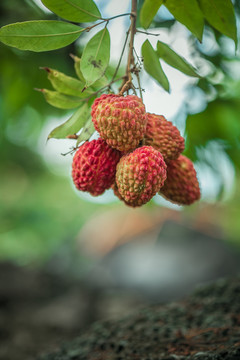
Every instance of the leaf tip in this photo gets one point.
(45, 68)
(74, 57)
(236, 46)
(40, 90)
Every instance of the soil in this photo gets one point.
(41, 311)
(204, 326)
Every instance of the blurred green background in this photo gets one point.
(39, 209)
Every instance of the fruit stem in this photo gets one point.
(121, 56)
(132, 34)
(128, 77)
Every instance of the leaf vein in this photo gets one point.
(100, 43)
(42, 35)
(81, 9)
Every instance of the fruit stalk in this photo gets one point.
(128, 77)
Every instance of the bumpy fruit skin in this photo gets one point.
(164, 136)
(117, 194)
(181, 186)
(140, 175)
(94, 167)
(115, 191)
(120, 120)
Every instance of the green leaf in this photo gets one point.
(188, 13)
(152, 65)
(148, 11)
(39, 35)
(73, 124)
(59, 100)
(175, 60)
(220, 14)
(74, 10)
(67, 84)
(220, 120)
(95, 57)
(86, 132)
(78, 72)
(100, 83)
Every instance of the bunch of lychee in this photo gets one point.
(138, 155)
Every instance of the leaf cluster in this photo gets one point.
(194, 13)
(91, 69)
(70, 93)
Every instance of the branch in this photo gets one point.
(146, 33)
(132, 34)
(88, 28)
(120, 59)
(132, 30)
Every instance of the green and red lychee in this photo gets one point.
(120, 120)
(134, 172)
(181, 186)
(94, 167)
(163, 136)
(116, 192)
(140, 175)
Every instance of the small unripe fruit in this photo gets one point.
(120, 120)
(94, 167)
(163, 136)
(181, 186)
(140, 175)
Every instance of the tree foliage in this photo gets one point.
(93, 70)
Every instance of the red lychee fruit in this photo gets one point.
(140, 175)
(94, 167)
(120, 120)
(163, 136)
(181, 186)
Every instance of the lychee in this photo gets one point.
(94, 167)
(115, 191)
(163, 136)
(117, 194)
(140, 175)
(181, 185)
(120, 120)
